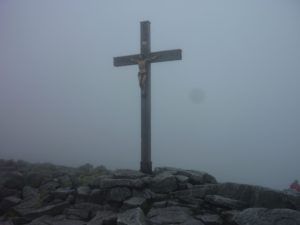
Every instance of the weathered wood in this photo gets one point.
(162, 56)
(144, 60)
(146, 164)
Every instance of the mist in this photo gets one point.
(230, 107)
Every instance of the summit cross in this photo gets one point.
(144, 60)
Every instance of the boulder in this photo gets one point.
(223, 202)
(253, 196)
(111, 183)
(135, 202)
(9, 202)
(63, 193)
(195, 177)
(78, 214)
(262, 216)
(12, 180)
(46, 220)
(132, 217)
(104, 217)
(119, 194)
(169, 215)
(127, 174)
(5, 192)
(210, 219)
(32, 213)
(163, 183)
(97, 196)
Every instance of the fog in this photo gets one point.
(229, 107)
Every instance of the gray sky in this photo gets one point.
(230, 107)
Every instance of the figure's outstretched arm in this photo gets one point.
(134, 60)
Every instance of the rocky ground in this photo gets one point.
(46, 194)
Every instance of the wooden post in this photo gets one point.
(144, 60)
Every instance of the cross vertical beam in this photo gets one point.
(144, 60)
(146, 164)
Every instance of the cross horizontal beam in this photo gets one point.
(161, 56)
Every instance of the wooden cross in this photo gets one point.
(144, 60)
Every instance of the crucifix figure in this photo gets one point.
(144, 60)
(142, 75)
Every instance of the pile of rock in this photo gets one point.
(43, 194)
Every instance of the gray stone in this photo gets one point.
(210, 219)
(104, 217)
(83, 190)
(160, 204)
(63, 193)
(9, 202)
(169, 215)
(195, 177)
(253, 196)
(35, 179)
(65, 181)
(79, 214)
(131, 183)
(13, 180)
(32, 213)
(193, 222)
(223, 202)
(5, 192)
(119, 194)
(127, 174)
(261, 216)
(90, 207)
(97, 196)
(164, 183)
(132, 217)
(135, 202)
(49, 220)
(48, 187)
(229, 215)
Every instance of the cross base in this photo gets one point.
(146, 167)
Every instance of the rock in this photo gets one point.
(223, 202)
(253, 196)
(35, 179)
(210, 219)
(195, 177)
(169, 215)
(47, 220)
(83, 190)
(261, 216)
(78, 214)
(63, 193)
(32, 213)
(119, 194)
(229, 215)
(85, 169)
(127, 174)
(104, 217)
(9, 202)
(135, 202)
(97, 196)
(5, 192)
(48, 187)
(12, 180)
(65, 181)
(132, 217)
(90, 207)
(111, 183)
(182, 181)
(193, 222)
(164, 183)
